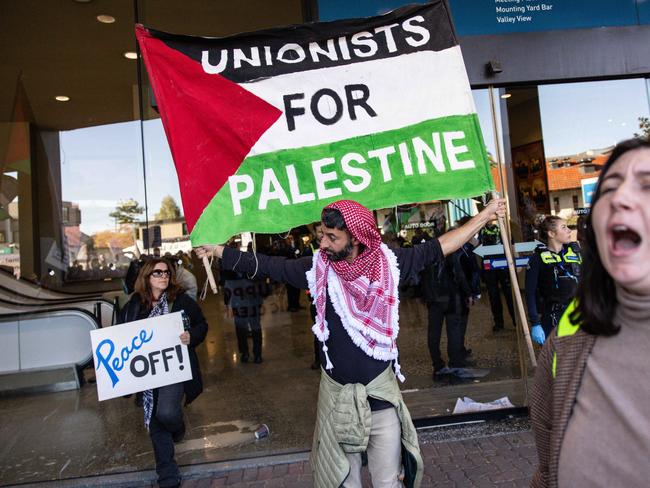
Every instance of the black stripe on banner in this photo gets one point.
(262, 54)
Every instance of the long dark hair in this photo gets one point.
(596, 292)
(143, 287)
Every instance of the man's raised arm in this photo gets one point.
(280, 269)
(454, 239)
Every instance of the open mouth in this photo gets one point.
(624, 239)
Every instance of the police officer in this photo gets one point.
(497, 281)
(552, 276)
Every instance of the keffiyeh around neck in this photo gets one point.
(364, 292)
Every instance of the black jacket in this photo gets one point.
(551, 278)
(134, 310)
(443, 280)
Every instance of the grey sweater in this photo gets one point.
(607, 441)
(556, 400)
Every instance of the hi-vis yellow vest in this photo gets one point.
(565, 328)
(570, 256)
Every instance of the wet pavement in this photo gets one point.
(66, 435)
(499, 453)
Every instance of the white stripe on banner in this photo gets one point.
(402, 91)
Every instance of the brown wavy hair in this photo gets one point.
(143, 287)
(596, 294)
(546, 224)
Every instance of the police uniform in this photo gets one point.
(497, 281)
(551, 281)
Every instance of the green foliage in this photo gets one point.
(169, 209)
(644, 125)
(127, 211)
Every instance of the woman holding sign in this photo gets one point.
(157, 293)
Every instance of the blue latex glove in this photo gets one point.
(537, 334)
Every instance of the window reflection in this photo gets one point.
(102, 200)
(167, 227)
(581, 122)
(15, 149)
(578, 117)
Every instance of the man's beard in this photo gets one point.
(342, 254)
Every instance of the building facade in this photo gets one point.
(87, 175)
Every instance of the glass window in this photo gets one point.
(582, 117)
(580, 124)
(102, 180)
(70, 153)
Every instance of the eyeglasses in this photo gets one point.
(159, 273)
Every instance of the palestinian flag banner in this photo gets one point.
(268, 127)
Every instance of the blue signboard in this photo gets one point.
(588, 190)
(481, 17)
(351, 9)
(501, 263)
(643, 7)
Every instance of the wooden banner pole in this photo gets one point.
(208, 270)
(515, 286)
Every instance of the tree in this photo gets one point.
(110, 238)
(644, 125)
(127, 211)
(168, 209)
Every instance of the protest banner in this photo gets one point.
(140, 355)
(266, 128)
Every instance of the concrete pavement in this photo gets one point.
(497, 453)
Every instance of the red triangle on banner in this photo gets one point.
(211, 123)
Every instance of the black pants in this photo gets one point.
(166, 420)
(451, 312)
(293, 297)
(551, 315)
(497, 281)
(464, 319)
(242, 326)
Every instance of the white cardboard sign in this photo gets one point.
(140, 355)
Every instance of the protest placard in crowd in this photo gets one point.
(140, 355)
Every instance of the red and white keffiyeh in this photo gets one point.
(364, 292)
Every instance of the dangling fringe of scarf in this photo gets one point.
(369, 310)
(161, 308)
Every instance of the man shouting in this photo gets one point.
(354, 280)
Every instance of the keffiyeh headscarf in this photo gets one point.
(364, 292)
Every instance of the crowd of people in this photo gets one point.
(97, 267)
(587, 306)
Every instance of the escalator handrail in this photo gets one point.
(65, 301)
(31, 283)
(39, 314)
(71, 295)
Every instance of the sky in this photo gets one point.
(102, 165)
(591, 115)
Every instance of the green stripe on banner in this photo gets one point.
(433, 160)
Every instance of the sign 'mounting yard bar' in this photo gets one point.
(266, 128)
